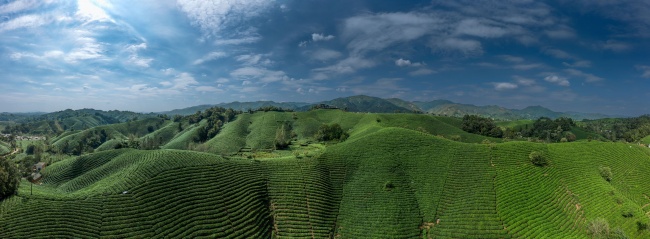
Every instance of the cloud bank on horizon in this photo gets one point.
(148, 55)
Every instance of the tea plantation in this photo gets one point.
(396, 176)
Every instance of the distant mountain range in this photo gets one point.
(363, 103)
(358, 103)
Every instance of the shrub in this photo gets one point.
(618, 233)
(598, 228)
(627, 211)
(641, 225)
(538, 158)
(388, 186)
(606, 173)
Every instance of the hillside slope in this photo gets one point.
(383, 182)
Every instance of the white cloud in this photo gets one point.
(183, 81)
(615, 46)
(254, 59)
(384, 87)
(557, 80)
(514, 59)
(90, 49)
(345, 66)
(302, 44)
(209, 57)
(561, 32)
(401, 62)
(524, 81)
(263, 75)
(222, 80)
(422, 71)
(504, 86)
(320, 37)
(465, 46)
(138, 61)
(213, 16)
(238, 41)
(88, 11)
(378, 31)
(581, 63)
(134, 58)
(528, 66)
(588, 77)
(560, 54)
(476, 28)
(207, 89)
(25, 21)
(20, 5)
(645, 69)
(325, 54)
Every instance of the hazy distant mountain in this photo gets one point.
(258, 104)
(411, 106)
(243, 106)
(364, 103)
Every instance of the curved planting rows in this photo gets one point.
(378, 200)
(301, 199)
(71, 168)
(468, 207)
(224, 200)
(41, 218)
(534, 202)
(579, 166)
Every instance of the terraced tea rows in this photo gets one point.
(383, 182)
(301, 199)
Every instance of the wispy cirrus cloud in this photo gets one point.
(209, 57)
(213, 16)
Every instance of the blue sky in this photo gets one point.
(151, 55)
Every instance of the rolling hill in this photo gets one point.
(392, 178)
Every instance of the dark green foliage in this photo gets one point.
(538, 159)
(627, 129)
(9, 178)
(606, 173)
(641, 226)
(272, 108)
(627, 211)
(389, 186)
(479, 125)
(283, 136)
(331, 132)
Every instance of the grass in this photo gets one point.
(390, 179)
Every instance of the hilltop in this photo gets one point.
(396, 176)
(363, 103)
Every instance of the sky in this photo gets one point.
(156, 55)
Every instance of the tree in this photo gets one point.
(9, 178)
(479, 125)
(538, 159)
(598, 228)
(606, 173)
(331, 132)
(283, 136)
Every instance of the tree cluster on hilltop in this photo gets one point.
(627, 129)
(543, 128)
(215, 118)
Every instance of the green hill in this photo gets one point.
(392, 178)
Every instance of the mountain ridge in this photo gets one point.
(364, 103)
